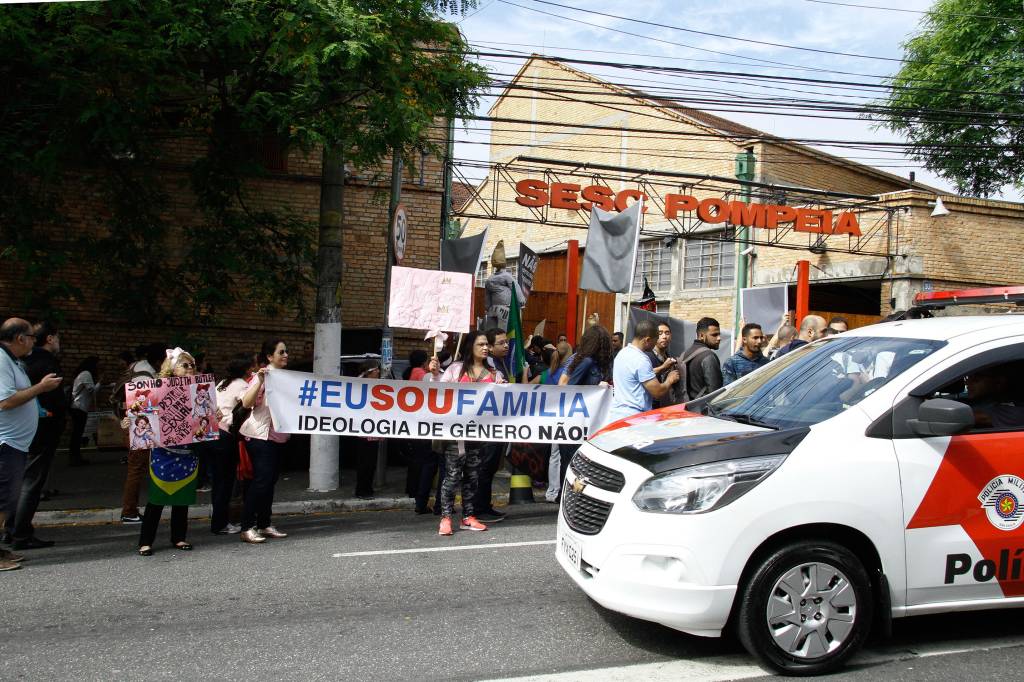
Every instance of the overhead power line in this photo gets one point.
(914, 11)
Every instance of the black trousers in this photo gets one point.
(490, 457)
(265, 456)
(425, 462)
(151, 520)
(223, 460)
(37, 467)
(78, 419)
(566, 452)
(366, 465)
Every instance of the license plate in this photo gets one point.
(572, 550)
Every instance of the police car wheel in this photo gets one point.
(806, 608)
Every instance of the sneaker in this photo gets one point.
(203, 489)
(470, 523)
(131, 519)
(8, 565)
(8, 555)
(230, 529)
(446, 526)
(32, 543)
(271, 532)
(252, 536)
(491, 516)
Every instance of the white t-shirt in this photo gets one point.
(83, 391)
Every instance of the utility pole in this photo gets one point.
(744, 171)
(386, 341)
(323, 450)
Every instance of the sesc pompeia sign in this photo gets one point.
(536, 193)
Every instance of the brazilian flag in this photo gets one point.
(516, 341)
(172, 477)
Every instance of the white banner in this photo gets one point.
(347, 406)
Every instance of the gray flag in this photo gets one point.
(611, 246)
(463, 255)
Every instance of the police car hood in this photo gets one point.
(672, 438)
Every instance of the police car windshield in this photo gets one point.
(818, 381)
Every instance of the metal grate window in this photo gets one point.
(653, 261)
(708, 264)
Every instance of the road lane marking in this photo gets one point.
(738, 667)
(455, 548)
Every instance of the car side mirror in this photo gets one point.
(941, 417)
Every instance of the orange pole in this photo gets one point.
(572, 287)
(803, 290)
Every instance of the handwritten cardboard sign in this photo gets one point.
(171, 411)
(430, 299)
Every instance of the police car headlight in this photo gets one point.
(702, 488)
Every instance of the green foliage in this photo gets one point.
(99, 95)
(961, 90)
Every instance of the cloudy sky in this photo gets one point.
(577, 29)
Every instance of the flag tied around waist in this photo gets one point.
(346, 406)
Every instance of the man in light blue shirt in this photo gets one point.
(636, 386)
(19, 416)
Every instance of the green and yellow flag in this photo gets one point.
(516, 340)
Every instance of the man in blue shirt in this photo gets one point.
(19, 417)
(636, 386)
(748, 357)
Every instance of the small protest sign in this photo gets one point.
(527, 269)
(171, 411)
(430, 299)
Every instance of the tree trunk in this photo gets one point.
(323, 451)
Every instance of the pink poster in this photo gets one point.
(430, 299)
(171, 411)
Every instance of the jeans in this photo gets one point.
(554, 469)
(265, 456)
(224, 464)
(12, 470)
(78, 419)
(151, 520)
(490, 458)
(37, 468)
(138, 469)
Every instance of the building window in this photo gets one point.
(653, 261)
(481, 274)
(512, 266)
(709, 264)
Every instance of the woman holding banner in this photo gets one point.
(172, 473)
(590, 366)
(265, 447)
(462, 458)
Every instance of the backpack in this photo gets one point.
(681, 390)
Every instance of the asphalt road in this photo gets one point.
(312, 607)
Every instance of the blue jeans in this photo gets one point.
(265, 456)
(12, 471)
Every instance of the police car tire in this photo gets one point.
(752, 623)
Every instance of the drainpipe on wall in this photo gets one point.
(745, 164)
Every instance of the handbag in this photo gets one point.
(244, 472)
(239, 414)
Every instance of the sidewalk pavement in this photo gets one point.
(92, 494)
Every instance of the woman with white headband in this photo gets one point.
(172, 473)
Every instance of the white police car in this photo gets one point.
(873, 475)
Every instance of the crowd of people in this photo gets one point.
(34, 409)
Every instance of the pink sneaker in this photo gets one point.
(470, 523)
(446, 527)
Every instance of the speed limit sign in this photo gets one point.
(400, 232)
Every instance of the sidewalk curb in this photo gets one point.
(71, 517)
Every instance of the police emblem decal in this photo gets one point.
(1001, 499)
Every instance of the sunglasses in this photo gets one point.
(187, 365)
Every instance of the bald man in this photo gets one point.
(19, 417)
(811, 329)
